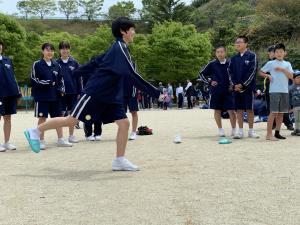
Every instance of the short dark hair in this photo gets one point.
(64, 45)
(121, 24)
(220, 46)
(271, 48)
(279, 46)
(244, 38)
(48, 45)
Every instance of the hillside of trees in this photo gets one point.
(174, 39)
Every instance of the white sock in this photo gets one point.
(241, 131)
(221, 130)
(34, 133)
(120, 159)
(251, 131)
(233, 130)
(60, 139)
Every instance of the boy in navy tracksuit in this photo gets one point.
(103, 96)
(47, 90)
(221, 98)
(9, 92)
(242, 73)
(73, 84)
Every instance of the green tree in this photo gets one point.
(199, 3)
(165, 10)
(276, 21)
(68, 7)
(25, 8)
(14, 37)
(43, 7)
(91, 8)
(122, 8)
(96, 43)
(176, 52)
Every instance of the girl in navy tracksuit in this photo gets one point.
(9, 92)
(73, 84)
(103, 95)
(47, 90)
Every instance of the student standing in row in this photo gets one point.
(47, 91)
(242, 71)
(73, 85)
(9, 93)
(221, 97)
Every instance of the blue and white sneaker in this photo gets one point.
(33, 143)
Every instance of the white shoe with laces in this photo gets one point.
(133, 136)
(90, 138)
(222, 133)
(123, 165)
(73, 139)
(98, 138)
(253, 135)
(42, 145)
(63, 143)
(9, 146)
(2, 149)
(238, 135)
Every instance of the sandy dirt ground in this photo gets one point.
(198, 182)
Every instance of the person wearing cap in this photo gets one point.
(9, 93)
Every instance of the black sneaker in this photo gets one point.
(278, 136)
(290, 127)
(296, 133)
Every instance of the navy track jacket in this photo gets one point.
(8, 83)
(47, 81)
(107, 74)
(215, 71)
(72, 84)
(243, 69)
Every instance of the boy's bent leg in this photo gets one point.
(58, 122)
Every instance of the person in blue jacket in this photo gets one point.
(73, 84)
(9, 93)
(47, 89)
(103, 95)
(242, 71)
(215, 75)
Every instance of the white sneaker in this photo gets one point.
(123, 165)
(253, 135)
(2, 149)
(63, 143)
(98, 138)
(9, 146)
(90, 138)
(233, 132)
(42, 145)
(73, 139)
(238, 135)
(177, 139)
(132, 136)
(222, 133)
